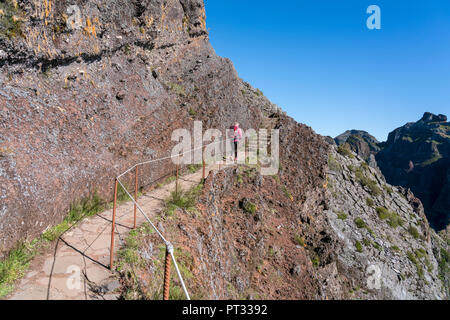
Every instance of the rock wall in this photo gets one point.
(417, 156)
(89, 88)
(254, 237)
(360, 142)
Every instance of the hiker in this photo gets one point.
(237, 136)
(229, 144)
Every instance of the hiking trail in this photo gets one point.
(78, 267)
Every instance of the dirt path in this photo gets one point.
(78, 266)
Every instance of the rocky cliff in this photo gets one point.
(360, 142)
(256, 237)
(415, 156)
(88, 88)
(382, 229)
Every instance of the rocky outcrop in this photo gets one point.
(89, 88)
(254, 237)
(417, 156)
(360, 142)
(384, 233)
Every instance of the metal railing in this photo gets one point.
(170, 257)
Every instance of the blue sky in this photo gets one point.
(318, 61)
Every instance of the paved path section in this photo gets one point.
(77, 269)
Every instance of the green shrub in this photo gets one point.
(344, 150)
(414, 232)
(193, 168)
(367, 182)
(177, 88)
(249, 207)
(377, 246)
(364, 165)
(315, 261)
(122, 196)
(407, 138)
(370, 231)
(432, 160)
(358, 246)
(388, 189)
(127, 49)
(394, 220)
(167, 181)
(300, 240)
(422, 255)
(14, 266)
(413, 258)
(341, 215)
(360, 223)
(370, 202)
(192, 112)
(186, 200)
(10, 19)
(383, 213)
(287, 193)
(16, 263)
(333, 164)
(443, 264)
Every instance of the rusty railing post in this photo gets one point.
(167, 274)
(204, 164)
(221, 157)
(111, 258)
(176, 181)
(135, 195)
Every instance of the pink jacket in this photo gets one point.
(237, 134)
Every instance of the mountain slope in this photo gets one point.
(384, 228)
(360, 142)
(89, 88)
(417, 156)
(252, 237)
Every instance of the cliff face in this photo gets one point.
(246, 236)
(382, 230)
(360, 142)
(417, 156)
(256, 237)
(88, 88)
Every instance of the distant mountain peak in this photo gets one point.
(417, 156)
(430, 117)
(359, 141)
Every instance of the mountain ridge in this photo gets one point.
(84, 97)
(416, 156)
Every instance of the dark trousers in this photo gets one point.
(235, 149)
